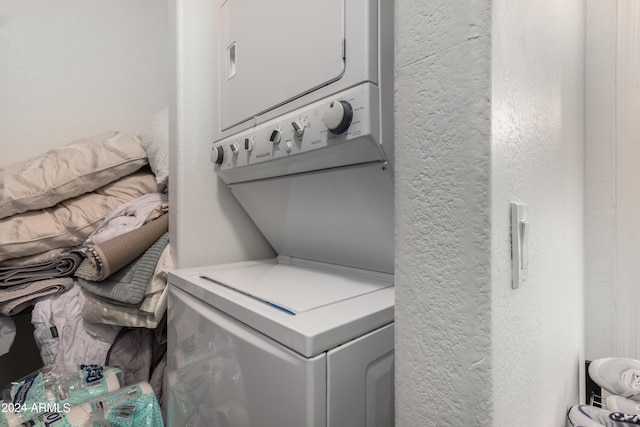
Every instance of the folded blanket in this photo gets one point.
(150, 312)
(97, 310)
(46, 256)
(61, 266)
(128, 285)
(16, 298)
(106, 258)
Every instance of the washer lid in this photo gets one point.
(327, 305)
(292, 288)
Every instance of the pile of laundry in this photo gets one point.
(619, 378)
(84, 247)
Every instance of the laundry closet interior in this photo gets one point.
(325, 217)
(297, 329)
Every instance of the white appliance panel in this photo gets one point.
(222, 373)
(251, 155)
(338, 216)
(293, 288)
(271, 55)
(308, 333)
(366, 22)
(360, 374)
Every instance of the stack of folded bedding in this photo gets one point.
(50, 204)
(26, 278)
(125, 278)
(84, 240)
(124, 273)
(64, 335)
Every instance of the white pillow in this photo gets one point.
(70, 222)
(154, 138)
(69, 171)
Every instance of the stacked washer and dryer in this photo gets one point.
(305, 143)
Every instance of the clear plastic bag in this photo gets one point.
(7, 334)
(132, 406)
(46, 391)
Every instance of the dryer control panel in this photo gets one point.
(337, 131)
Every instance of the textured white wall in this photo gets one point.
(538, 122)
(464, 338)
(600, 179)
(443, 208)
(207, 225)
(73, 68)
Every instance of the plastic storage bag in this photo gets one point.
(7, 334)
(47, 390)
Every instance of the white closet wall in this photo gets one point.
(627, 273)
(73, 68)
(612, 197)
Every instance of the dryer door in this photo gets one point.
(270, 55)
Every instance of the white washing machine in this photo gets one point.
(281, 343)
(305, 144)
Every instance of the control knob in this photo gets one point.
(275, 136)
(298, 127)
(288, 147)
(338, 117)
(217, 155)
(235, 149)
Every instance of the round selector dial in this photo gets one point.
(217, 155)
(338, 117)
